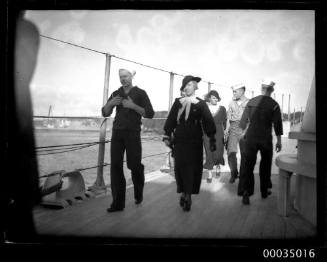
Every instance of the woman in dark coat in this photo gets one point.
(219, 115)
(187, 118)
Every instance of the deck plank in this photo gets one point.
(217, 212)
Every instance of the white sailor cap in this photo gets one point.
(128, 69)
(267, 82)
(238, 86)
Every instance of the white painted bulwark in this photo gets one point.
(286, 128)
(309, 118)
(303, 165)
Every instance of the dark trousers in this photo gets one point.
(251, 148)
(232, 160)
(129, 140)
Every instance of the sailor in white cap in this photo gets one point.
(132, 103)
(234, 132)
(261, 113)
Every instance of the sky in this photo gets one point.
(225, 47)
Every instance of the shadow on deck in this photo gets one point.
(217, 212)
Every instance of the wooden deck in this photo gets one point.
(217, 212)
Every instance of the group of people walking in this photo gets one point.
(194, 125)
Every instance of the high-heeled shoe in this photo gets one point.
(182, 200)
(187, 203)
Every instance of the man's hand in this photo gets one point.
(278, 147)
(128, 103)
(167, 142)
(226, 134)
(115, 101)
(243, 134)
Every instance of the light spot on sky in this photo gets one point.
(44, 26)
(287, 31)
(227, 50)
(78, 14)
(71, 32)
(222, 46)
(253, 50)
(303, 50)
(158, 21)
(246, 25)
(273, 52)
(147, 39)
(124, 38)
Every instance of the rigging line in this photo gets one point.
(68, 43)
(108, 164)
(52, 151)
(159, 69)
(66, 148)
(81, 145)
(138, 63)
(77, 144)
(105, 164)
(124, 59)
(64, 151)
(104, 120)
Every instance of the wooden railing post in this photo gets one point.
(209, 87)
(171, 90)
(289, 107)
(283, 107)
(294, 117)
(99, 182)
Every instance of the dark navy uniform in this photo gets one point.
(126, 136)
(260, 114)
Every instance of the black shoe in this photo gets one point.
(266, 194)
(187, 204)
(182, 201)
(138, 200)
(114, 209)
(246, 199)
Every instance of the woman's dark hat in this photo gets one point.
(188, 79)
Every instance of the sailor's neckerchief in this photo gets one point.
(186, 105)
(240, 101)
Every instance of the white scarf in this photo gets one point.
(186, 105)
(213, 108)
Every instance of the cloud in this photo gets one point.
(44, 26)
(304, 49)
(273, 52)
(71, 32)
(78, 14)
(147, 38)
(227, 50)
(223, 47)
(124, 39)
(252, 50)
